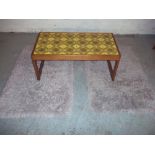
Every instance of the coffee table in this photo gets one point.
(51, 46)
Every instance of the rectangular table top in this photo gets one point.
(76, 43)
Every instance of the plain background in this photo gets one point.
(117, 26)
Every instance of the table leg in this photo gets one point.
(38, 70)
(113, 71)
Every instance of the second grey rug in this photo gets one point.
(129, 92)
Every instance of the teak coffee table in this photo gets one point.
(75, 46)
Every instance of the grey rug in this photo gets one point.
(130, 91)
(23, 95)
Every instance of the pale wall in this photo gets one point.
(109, 25)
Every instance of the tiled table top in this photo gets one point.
(74, 43)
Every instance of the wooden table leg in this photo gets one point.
(113, 71)
(38, 70)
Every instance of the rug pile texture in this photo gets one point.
(54, 94)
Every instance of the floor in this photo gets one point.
(11, 44)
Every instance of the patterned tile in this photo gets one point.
(76, 44)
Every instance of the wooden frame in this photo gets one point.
(38, 70)
(47, 57)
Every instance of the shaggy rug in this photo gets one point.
(23, 95)
(129, 92)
